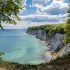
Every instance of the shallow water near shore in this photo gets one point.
(21, 47)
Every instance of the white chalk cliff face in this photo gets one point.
(55, 42)
(40, 34)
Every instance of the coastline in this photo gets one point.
(55, 42)
(55, 65)
(49, 54)
(43, 66)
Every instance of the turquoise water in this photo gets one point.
(21, 47)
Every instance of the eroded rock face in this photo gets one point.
(55, 42)
(40, 34)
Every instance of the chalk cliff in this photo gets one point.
(56, 42)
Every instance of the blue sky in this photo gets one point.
(45, 10)
(37, 12)
(32, 6)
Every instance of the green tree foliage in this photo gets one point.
(67, 28)
(9, 10)
(50, 29)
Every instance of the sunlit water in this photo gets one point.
(21, 47)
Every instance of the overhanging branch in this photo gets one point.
(1, 26)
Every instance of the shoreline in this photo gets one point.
(61, 65)
(49, 54)
(43, 66)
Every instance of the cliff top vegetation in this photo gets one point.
(51, 29)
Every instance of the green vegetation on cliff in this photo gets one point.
(67, 28)
(50, 29)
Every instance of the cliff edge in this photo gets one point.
(53, 36)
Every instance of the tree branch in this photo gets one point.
(1, 26)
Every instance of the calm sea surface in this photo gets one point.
(21, 47)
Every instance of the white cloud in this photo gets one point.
(42, 16)
(23, 2)
(48, 16)
(31, 20)
(57, 4)
(39, 4)
(42, 10)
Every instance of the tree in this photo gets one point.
(9, 10)
(67, 27)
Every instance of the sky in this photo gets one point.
(39, 12)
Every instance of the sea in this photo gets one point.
(20, 47)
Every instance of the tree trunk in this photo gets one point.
(1, 26)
